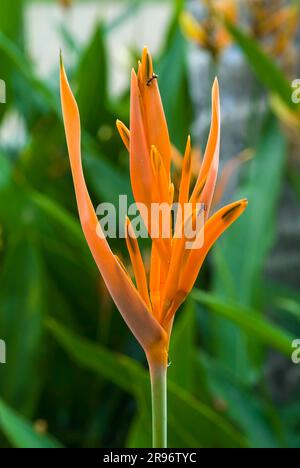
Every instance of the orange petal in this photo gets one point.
(171, 191)
(142, 324)
(213, 229)
(137, 263)
(160, 176)
(196, 160)
(155, 120)
(155, 279)
(140, 166)
(185, 174)
(209, 168)
(124, 133)
(178, 255)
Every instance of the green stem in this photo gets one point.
(158, 376)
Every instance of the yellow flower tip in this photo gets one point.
(171, 192)
(189, 145)
(61, 59)
(147, 65)
(192, 29)
(155, 157)
(187, 155)
(124, 133)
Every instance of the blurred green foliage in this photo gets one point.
(71, 362)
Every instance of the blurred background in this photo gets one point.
(74, 375)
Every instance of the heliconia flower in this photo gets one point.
(149, 307)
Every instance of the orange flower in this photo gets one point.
(149, 307)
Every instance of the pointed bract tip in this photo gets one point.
(147, 65)
(133, 74)
(145, 49)
(215, 87)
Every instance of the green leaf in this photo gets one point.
(106, 181)
(20, 432)
(192, 421)
(182, 347)
(246, 244)
(91, 79)
(264, 67)
(22, 310)
(57, 214)
(244, 248)
(36, 95)
(12, 26)
(252, 413)
(289, 305)
(177, 104)
(129, 11)
(139, 434)
(247, 319)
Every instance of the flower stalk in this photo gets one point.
(158, 375)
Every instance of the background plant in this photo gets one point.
(64, 338)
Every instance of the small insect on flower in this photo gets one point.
(153, 77)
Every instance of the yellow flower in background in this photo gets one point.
(148, 306)
(274, 24)
(209, 33)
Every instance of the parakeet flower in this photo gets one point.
(149, 304)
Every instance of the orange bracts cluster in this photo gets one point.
(149, 307)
